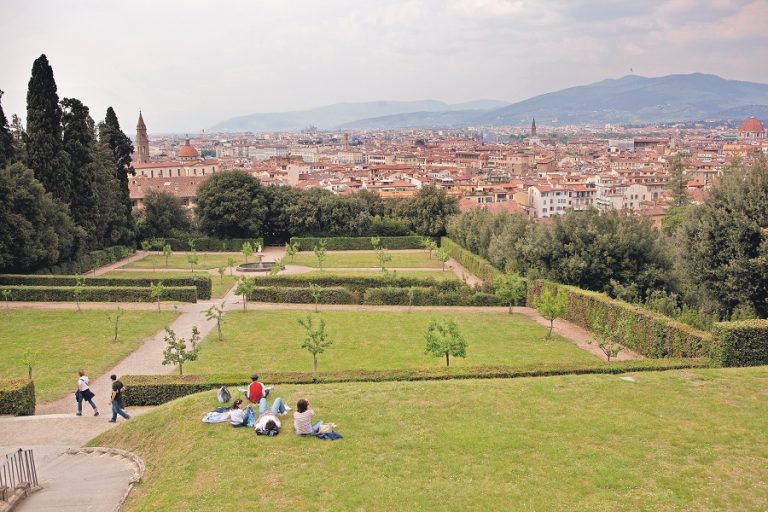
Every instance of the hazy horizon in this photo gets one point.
(189, 65)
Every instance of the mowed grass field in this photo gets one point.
(219, 286)
(65, 341)
(367, 259)
(205, 260)
(671, 441)
(271, 341)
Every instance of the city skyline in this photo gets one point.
(192, 66)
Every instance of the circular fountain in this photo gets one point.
(258, 266)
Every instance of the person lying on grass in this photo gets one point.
(268, 424)
(302, 419)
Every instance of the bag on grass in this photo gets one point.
(223, 395)
(250, 418)
(326, 428)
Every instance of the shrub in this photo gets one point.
(352, 243)
(201, 282)
(17, 397)
(207, 244)
(429, 296)
(99, 293)
(648, 333)
(89, 261)
(743, 343)
(357, 283)
(329, 295)
(475, 264)
(158, 389)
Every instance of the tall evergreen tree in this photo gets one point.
(677, 182)
(120, 149)
(6, 138)
(18, 134)
(45, 155)
(79, 143)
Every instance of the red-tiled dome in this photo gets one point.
(187, 151)
(752, 125)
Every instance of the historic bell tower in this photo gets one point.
(142, 141)
(533, 128)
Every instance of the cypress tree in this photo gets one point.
(6, 139)
(120, 148)
(45, 155)
(78, 139)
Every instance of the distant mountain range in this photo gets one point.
(627, 100)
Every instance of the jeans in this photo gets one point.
(117, 408)
(278, 407)
(80, 404)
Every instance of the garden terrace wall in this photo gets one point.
(357, 243)
(158, 389)
(359, 284)
(286, 295)
(202, 282)
(478, 266)
(649, 333)
(99, 294)
(17, 397)
(742, 343)
(89, 261)
(392, 296)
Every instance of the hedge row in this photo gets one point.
(478, 266)
(358, 243)
(204, 244)
(391, 296)
(89, 261)
(98, 293)
(201, 282)
(17, 397)
(158, 389)
(283, 295)
(740, 343)
(359, 283)
(648, 333)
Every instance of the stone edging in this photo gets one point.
(17, 497)
(138, 465)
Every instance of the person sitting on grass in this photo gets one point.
(302, 419)
(268, 424)
(238, 415)
(256, 390)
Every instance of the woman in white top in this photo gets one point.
(84, 393)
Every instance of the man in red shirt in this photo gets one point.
(256, 390)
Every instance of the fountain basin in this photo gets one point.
(259, 266)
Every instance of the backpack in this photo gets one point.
(223, 395)
(267, 431)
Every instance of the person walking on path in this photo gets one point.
(117, 399)
(84, 393)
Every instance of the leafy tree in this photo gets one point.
(320, 253)
(167, 252)
(115, 224)
(291, 249)
(552, 305)
(609, 339)
(221, 271)
(316, 291)
(114, 319)
(245, 287)
(157, 292)
(29, 359)
(677, 182)
(216, 313)
(511, 288)
(231, 264)
(176, 351)
(428, 211)
(45, 154)
(376, 243)
(163, 215)
(19, 136)
(247, 250)
(384, 257)
(120, 149)
(443, 257)
(7, 147)
(231, 205)
(193, 260)
(7, 296)
(78, 290)
(429, 244)
(317, 339)
(443, 339)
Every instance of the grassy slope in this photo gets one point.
(375, 340)
(672, 441)
(219, 286)
(365, 259)
(66, 341)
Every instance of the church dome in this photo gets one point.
(188, 151)
(752, 125)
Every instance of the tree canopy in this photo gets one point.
(231, 205)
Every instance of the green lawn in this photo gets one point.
(271, 340)
(206, 260)
(219, 286)
(366, 259)
(425, 274)
(67, 340)
(671, 441)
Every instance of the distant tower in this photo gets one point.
(346, 142)
(533, 128)
(142, 141)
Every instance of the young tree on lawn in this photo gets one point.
(320, 253)
(245, 287)
(443, 339)
(552, 305)
(411, 297)
(511, 288)
(78, 290)
(7, 297)
(291, 249)
(247, 250)
(216, 313)
(167, 252)
(192, 259)
(443, 257)
(157, 291)
(384, 257)
(317, 339)
(114, 320)
(316, 291)
(28, 359)
(609, 339)
(221, 271)
(176, 352)
(231, 264)
(376, 243)
(429, 244)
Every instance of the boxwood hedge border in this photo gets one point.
(17, 397)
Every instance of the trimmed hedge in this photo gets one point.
(158, 389)
(358, 283)
(478, 266)
(358, 243)
(206, 244)
(17, 397)
(392, 296)
(649, 333)
(742, 343)
(89, 261)
(330, 295)
(99, 294)
(202, 282)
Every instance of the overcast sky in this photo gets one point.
(189, 64)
